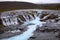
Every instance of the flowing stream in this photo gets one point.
(27, 34)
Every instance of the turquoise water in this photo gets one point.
(27, 34)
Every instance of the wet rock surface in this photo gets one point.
(49, 31)
(12, 32)
(50, 34)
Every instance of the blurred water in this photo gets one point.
(27, 34)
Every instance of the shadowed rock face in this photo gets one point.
(1, 27)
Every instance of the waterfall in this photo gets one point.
(27, 34)
(20, 20)
(35, 15)
(25, 17)
(34, 21)
(31, 17)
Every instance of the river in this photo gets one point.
(27, 34)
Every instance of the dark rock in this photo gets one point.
(32, 37)
(1, 31)
(58, 35)
(42, 30)
(21, 29)
(56, 20)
